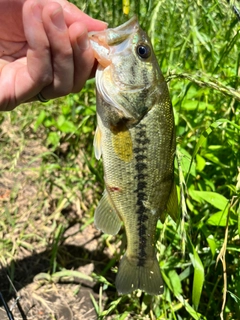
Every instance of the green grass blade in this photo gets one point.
(198, 278)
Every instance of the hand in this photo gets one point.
(43, 48)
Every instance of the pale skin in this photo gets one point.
(43, 48)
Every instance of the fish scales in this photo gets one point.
(135, 137)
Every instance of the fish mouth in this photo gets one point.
(112, 40)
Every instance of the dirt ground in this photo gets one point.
(28, 216)
(66, 298)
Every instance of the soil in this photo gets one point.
(30, 213)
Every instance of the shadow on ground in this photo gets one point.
(67, 298)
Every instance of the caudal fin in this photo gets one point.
(131, 277)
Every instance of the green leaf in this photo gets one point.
(53, 139)
(196, 105)
(229, 122)
(198, 277)
(65, 125)
(238, 181)
(235, 298)
(49, 121)
(220, 219)
(173, 282)
(211, 157)
(113, 306)
(124, 316)
(190, 310)
(185, 162)
(238, 214)
(201, 162)
(40, 119)
(66, 109)
(214, 198)
(96, 307)
(204, 136)
(68, 127)
(212, 244)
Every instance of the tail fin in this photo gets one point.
(131, 277)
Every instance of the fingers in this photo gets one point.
(39, 53)
(73, 14)
(56, 59)
(27, 75)
(82, 55)
(61, 51)
(72, 56)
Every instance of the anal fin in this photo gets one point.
(105, 216)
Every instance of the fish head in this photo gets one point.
(128, 77)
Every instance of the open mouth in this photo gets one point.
(112, 41)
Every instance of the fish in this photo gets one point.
(135, 136)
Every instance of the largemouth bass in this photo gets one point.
(135, 137)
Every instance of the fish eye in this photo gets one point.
(143, 51)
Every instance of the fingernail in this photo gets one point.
(105, 24)
(37, 11)
(58, 19)
(82, 41)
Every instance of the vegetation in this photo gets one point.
(197, 45)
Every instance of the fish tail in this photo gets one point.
(132, 276)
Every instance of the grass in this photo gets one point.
(51, 183)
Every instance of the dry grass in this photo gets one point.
(33, 209)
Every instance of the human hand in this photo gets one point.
(43, 48)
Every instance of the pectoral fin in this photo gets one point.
(97, 144)
(172, 205)
(105, 217)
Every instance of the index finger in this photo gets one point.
(73, 14)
